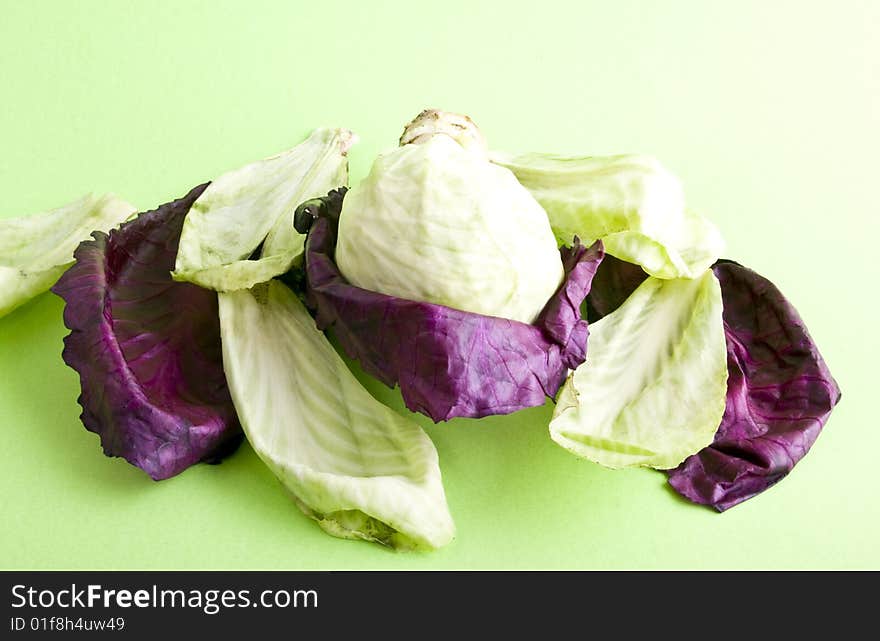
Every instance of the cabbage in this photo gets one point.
(652, 391)
(36, 250)
(631, 202)
(251, 208)
(147, 349)
(352, 464)
(780, 392)
(614, 281)
(779, 396)
(448, 362)
(435, 221)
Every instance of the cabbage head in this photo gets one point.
(435, 221)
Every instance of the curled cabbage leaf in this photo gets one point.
(352, 464)
(448, 362)
(652, 389)
(631, 202)
(250, 209)
(614, 281)
(780, 392)
(36, 250)
(147, 349)
(435, 221)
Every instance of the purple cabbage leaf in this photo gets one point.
(448, 363)
(147, 348)
(780, 392)
(614, 281)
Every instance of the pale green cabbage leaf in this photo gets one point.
(352, 464)
(255, 204)
(36, 250)
(653, 388)
(631, 202)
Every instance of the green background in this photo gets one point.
(768, 111)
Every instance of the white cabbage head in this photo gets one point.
(435, 221)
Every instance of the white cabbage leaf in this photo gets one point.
(653, 388)
(254, 204)
(36, 250)
(351, 463)
(631, 202)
